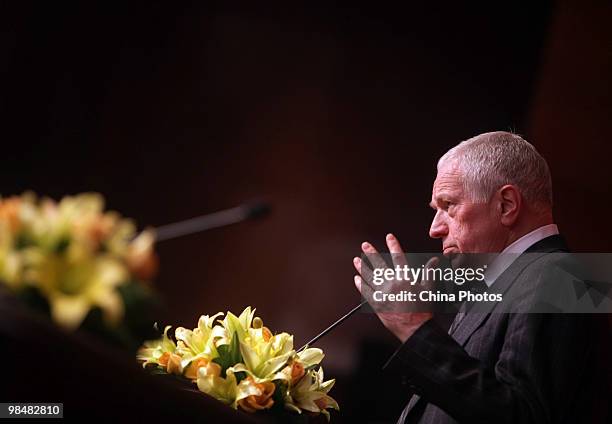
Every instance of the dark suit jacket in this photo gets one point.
(509, 367)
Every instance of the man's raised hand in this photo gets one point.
(392, 314)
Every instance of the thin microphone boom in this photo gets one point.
(334, 325)
(210, 221)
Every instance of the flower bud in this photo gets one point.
(174, 364)
(321, 403)
(297, 372)
(266, 333)
(212, 368)
(255, 403)
(191, 372)
(163, 360)
(257, 322)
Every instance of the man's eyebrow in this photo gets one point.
(440, 197)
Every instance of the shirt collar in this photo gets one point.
(514, 249)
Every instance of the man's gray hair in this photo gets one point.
(491, 160)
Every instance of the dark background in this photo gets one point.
(335, 115)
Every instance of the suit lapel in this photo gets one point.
(408, 409)
(478, 313)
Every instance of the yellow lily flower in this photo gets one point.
(10, 261)
(73, 284)
(239, 325)
(223, 389)
(157, 351)
(310, 357)
(250, 395)
(197, 343)
(241, 363)
(199, 340)
(310, 394)
(73, 252)
(263, 358)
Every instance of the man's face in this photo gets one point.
(463, 225)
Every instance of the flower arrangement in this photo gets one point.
(238, 361)
(75, 257)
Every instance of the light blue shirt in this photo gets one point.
(513, 250)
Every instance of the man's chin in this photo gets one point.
(458, 259)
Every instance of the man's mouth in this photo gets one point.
(449, 250)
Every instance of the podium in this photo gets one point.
(41, 363)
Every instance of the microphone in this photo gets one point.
(209, 221)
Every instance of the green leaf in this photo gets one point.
(229, 355)
(240, 375)
(279, 393)
(62, 245)
(23, 240)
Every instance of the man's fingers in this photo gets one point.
(357, 264)
(373, 256)
(431, 263)
(363, 269)
(363, 287)
(397, 253)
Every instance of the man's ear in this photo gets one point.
(511, 202)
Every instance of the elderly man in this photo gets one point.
(493, 194)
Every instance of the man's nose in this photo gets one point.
(438, 228)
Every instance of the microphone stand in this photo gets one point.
(210, 221)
